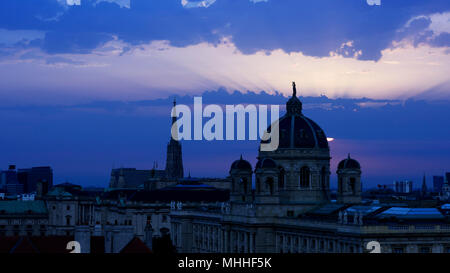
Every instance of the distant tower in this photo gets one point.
(267, 184)
(121, 181)
(241, 174)
(424, 186)
(174, 161)
(349, 181)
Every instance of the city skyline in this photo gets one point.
(84, 84)
(110, 135)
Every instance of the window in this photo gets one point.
(281, 179)
(304, 177)
(425, 249)
(68, 207)
(269, 183)
(290, 213)
(68, 220)
(399, 250)
(164, 218)
(243, 182)
(323, 178)
(352, 185)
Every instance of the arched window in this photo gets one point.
(281, 177)
(352, 185)
(258, 185)
(304, 177)
(323, 178)
(269, 183)
(244, 184)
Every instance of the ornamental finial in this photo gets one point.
(294, 90)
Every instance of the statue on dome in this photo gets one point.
(294, 94)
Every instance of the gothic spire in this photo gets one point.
(174, 127)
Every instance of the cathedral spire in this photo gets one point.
(174, 127)
(424, 185)
(174, 160)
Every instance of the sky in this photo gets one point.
(81, 81)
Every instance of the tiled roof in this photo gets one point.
(23, 207)
(185, 193)
(135, 246)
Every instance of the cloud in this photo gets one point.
(314, 28)
(152, 70)
(433, 29)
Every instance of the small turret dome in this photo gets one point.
(349, 163)
(241, 164)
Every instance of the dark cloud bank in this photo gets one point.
(312, 27)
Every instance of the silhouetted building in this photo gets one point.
(9, 181)
(405, 186)
(31, 176)
(289, 210)
(438, 182)
(132, 178)
(424, 189)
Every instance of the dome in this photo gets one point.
(349, 163)
(298, 131)
(266, 163)
(241, 164)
